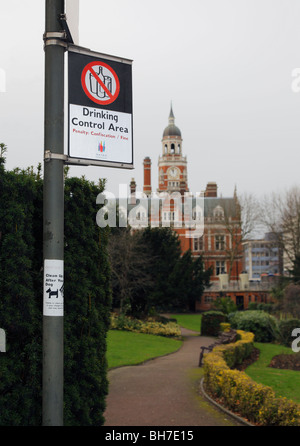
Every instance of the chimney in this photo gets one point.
(211, 190)
(147, 176)
(132, 191)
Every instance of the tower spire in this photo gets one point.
(172, 165)
(171, 116)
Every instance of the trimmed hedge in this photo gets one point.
(87, 301)
(210, 322)
(239, 393)
(263, 325)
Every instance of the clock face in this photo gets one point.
(173, 172)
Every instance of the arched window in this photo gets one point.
(172, 148)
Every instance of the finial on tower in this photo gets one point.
(171, 115)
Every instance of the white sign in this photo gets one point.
(103, 135)
(100, 109)
(53, 288)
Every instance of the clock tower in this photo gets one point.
(172, 165)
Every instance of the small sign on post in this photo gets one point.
(53, 288)
(2, 341)
(100, 109)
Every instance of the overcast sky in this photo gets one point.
(226, 65)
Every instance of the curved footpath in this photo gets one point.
(163, 391)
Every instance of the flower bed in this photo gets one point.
(239, 393)
(149, 326)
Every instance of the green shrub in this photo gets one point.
(285, 328)
(265, 307)
(210, 324)
(268, 308)
(225, 305)
(263, 325)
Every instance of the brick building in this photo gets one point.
(218, 242)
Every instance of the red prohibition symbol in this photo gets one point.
(100, 83)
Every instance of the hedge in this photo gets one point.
(239, 393)
(87, 301)
(210, 322)
(20, 302)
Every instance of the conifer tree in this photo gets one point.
(87, 305)
(87, 300)
(20, 370)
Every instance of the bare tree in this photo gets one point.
(3, 150)
(280, 213)
(241, 220)
(249, 216)
(130, 267)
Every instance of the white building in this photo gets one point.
(262, 257)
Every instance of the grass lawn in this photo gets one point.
(128, 348)
(285, 383)
(190, 321)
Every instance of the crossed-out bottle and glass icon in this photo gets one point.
(96, 87)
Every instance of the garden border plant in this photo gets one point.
(239, 393)
(149, 326)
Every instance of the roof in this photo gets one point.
(171, 129)
(227, 204)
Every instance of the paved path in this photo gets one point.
(163, 391)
